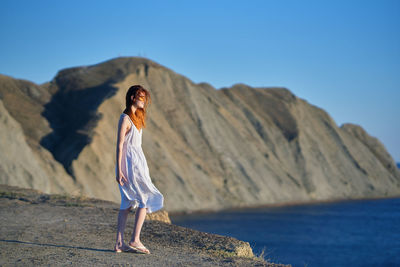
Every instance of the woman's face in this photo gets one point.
(140, 98)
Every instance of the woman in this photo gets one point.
(132, 172)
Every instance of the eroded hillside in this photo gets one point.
(206, 148)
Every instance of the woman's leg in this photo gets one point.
(139, 219)
(122, 217)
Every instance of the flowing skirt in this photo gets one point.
(140, 190)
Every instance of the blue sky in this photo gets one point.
(342, 56)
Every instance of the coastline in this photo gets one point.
(280, 204)
(360, 232)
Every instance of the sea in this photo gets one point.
(343, 233)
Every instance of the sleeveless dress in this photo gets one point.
(140, 191)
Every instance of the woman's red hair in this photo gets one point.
(139, 118)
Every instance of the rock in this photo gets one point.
(161, 216)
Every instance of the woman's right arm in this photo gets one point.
(122, 128)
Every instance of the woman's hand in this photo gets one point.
(121, 179)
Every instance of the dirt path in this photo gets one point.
(41, 229)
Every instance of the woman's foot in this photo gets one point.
(123, 248)
(139, 247)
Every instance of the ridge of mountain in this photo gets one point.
(205, 148)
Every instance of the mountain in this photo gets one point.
(206, 148)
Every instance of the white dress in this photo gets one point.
(140, 191)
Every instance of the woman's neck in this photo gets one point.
(133, 109)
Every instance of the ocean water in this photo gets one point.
(348, 233)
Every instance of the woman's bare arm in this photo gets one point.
(123, 127)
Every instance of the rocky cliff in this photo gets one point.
(206, 148)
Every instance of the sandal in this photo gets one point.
(129, 249)
(141, 249)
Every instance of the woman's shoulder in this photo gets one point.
(123, 117)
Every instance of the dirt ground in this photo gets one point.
(42, 229)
